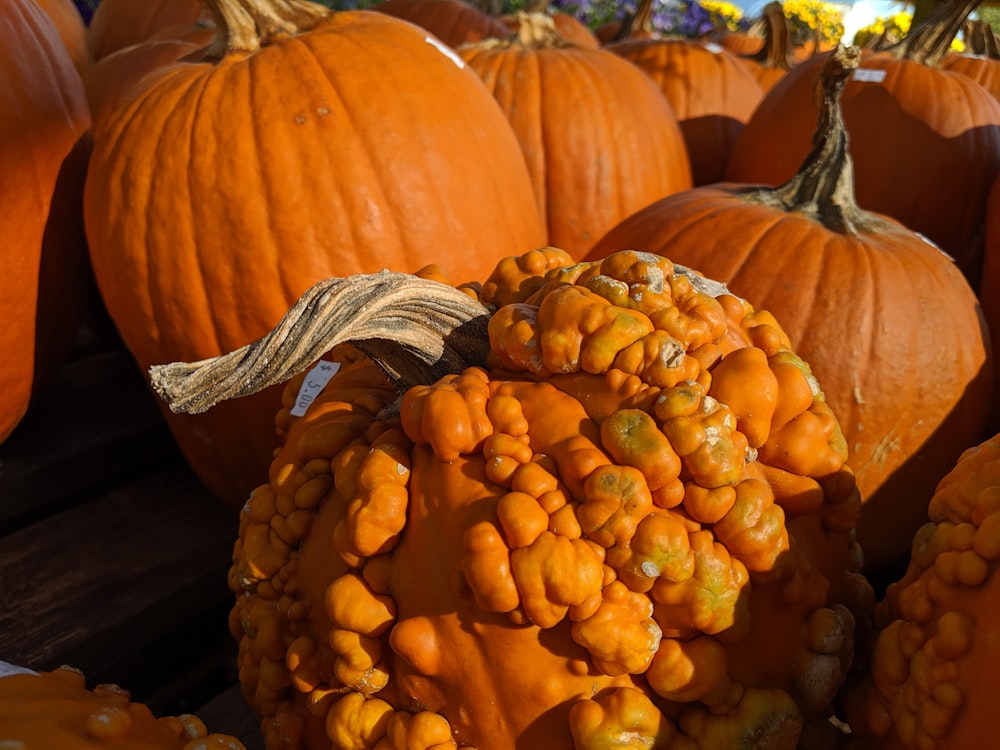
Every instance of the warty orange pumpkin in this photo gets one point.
(932, 683)
(57, 711)
(925, 141)
(871, 305)
(623, 148)
(43, 119)
(584, 499)
(319, 143)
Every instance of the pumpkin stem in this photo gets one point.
(417, 330)
(533, 31)
(248, 25)
(640, 21)
(777, 38)
(980, 39)
(823, 188)
(930, 39)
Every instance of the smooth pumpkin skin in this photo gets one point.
(989, 286)
(57, 710)
(112, 80)
(429, 561)
(454, 22)
(711, 92)
(72, 30)
(223, 191)
(926, 164)
(864, 311)
(117, 24)
(617, 112)
(43, 116)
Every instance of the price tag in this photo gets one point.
(7, 669)
(714, 48)
(869, 75)
(445, 50)
(313, 385)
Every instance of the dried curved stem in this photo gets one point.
(246, 25)
(416, 329)
(823, 187)
(930, 37)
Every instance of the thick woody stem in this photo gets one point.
(534, 31)
(823, 188)
(247, 25)
(417, 330)
(777, 39)
(930, 38)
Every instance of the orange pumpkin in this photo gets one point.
(870, 304)
(927, 166)
(39, 711)
(43, 117)
(542, 82)
(114, 79)
(989, 287)
(225, 188)
(981, 59)
(454, 22)
(611, 500)
(935, 661)
(72, 30)
(117, 24)
(711, 92)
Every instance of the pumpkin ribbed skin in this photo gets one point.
(711, 92)
(71, 28)
(39, 711)
(117, 24)
(927, 165)
(983, 70)
(270, 185)
(588, 535)
(454, 22)
(43, 115)
(935, 661)
(617, 113)
(112, 80)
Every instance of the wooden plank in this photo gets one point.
(97, 422)
(230, 714)
(98, 582)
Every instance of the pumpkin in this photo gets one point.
(542, 82)
(981, 59)
(569, 27)
(712, 93)
(454, 22)
(353, 145)
(113, 79)
(117, 24)
(770, 63)
(43, 119)
(72, 30)
(868, 303)
(989, 287)
(43, 710)
(927, 165)
(933, 678)
(584, 499)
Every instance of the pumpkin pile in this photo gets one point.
(588, 498)
(542, 434)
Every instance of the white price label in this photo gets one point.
(445, 50)
(714, 48)
(313, 385)
(7, 669)
(869, 75)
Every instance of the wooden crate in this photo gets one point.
(113, 557)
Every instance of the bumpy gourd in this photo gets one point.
(933, 677)
(41, 711)
(625, 521)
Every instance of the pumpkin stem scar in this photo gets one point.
(417, 330)
(247, 25)
(823, 187)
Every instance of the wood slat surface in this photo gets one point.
(113, 557)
